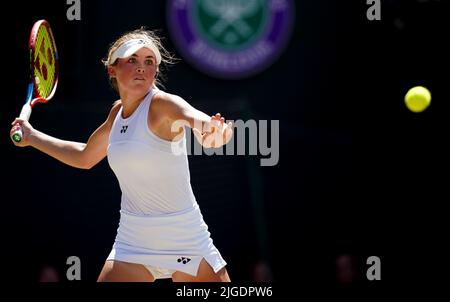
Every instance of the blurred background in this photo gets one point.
(357, 171)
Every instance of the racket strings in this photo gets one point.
(45, 65)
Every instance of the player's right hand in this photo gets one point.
(26, 131)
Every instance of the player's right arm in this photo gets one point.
(78, 155)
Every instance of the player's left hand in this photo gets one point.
(219, 133)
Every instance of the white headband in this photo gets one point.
(130, 47)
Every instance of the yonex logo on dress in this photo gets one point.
(124, 129)
(184, 260)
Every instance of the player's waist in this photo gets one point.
(184, 229)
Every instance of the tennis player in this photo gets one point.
(161, 233)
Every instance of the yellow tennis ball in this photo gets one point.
(417, 99)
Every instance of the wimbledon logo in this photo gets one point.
(230, 38)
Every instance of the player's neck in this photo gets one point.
(130, 103)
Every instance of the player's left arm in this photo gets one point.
(210, 131)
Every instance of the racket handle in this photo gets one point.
(17, 135)
(25, 115)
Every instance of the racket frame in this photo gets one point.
(33, 90)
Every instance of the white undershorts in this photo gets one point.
(159, 272)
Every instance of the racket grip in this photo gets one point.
(17, 135)
(25, 115)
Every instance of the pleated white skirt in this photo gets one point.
(175, 241)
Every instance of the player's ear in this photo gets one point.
(111, 72)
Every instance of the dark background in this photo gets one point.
(357, 175)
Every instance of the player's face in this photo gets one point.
(136, 73)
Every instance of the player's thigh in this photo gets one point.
(205, 274)
(119, 271)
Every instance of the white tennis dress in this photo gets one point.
(161, 225)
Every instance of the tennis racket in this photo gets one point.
(44, 70)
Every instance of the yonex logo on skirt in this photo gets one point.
(184, 260)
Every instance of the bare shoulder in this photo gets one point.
(166, 99)
(114, 110)
(169, 104)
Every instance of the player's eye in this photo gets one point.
(149, 62)
(131, 60)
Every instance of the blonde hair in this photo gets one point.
(166, 57)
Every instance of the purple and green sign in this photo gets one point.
(230, 38)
